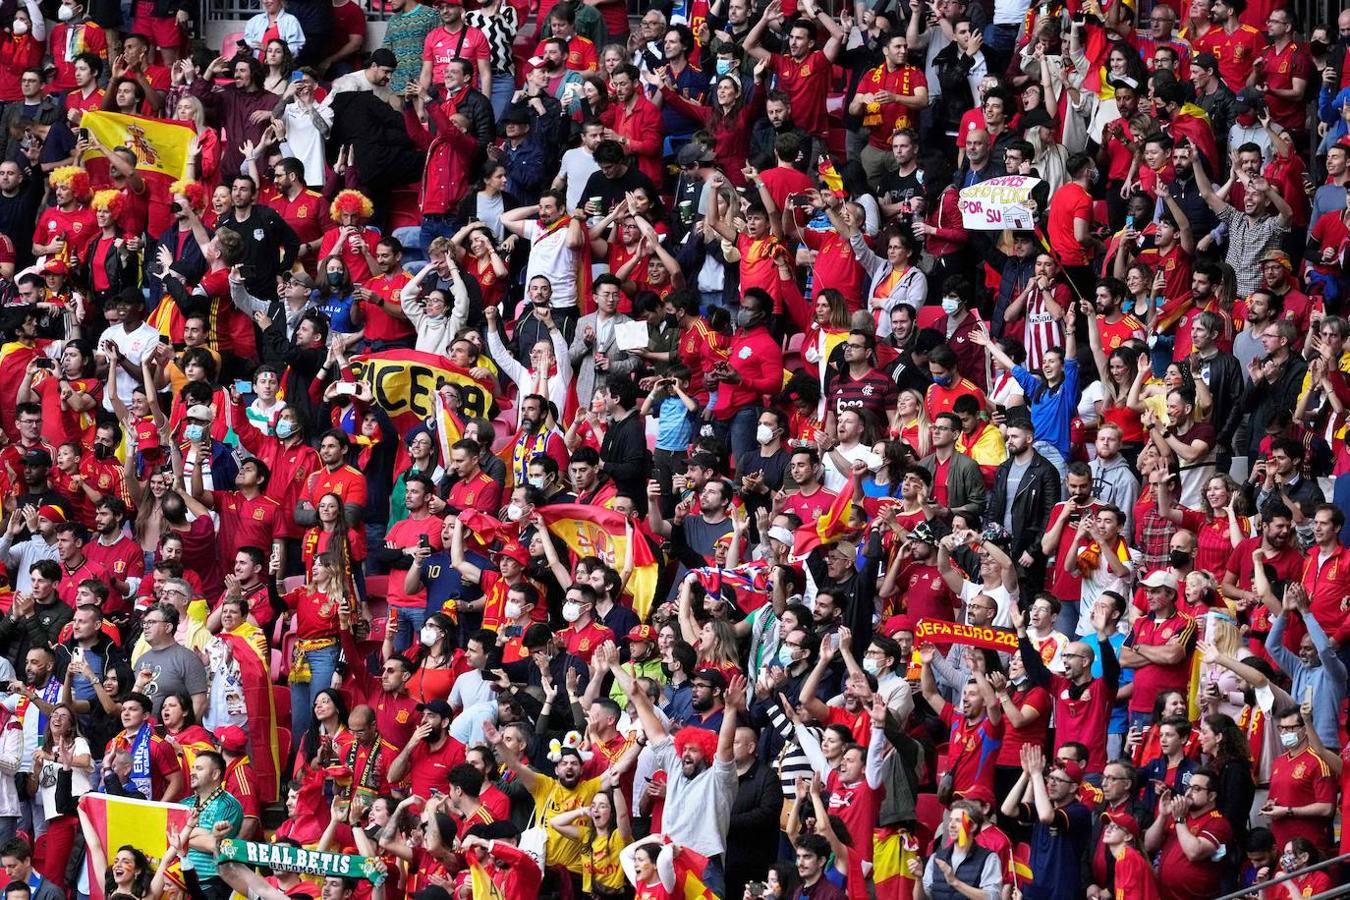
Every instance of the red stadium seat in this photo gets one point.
(929, 813)
(284, 748)
(281, 702)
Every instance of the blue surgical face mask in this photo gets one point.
(194, 433)
(285, 428)
(723, 66)
(785, 656)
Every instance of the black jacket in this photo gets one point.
(188, 262)
(1036, 496)
(12, 120)
(753, 829)
(120, 265)
(301, 366)
(952, 68)
(41, 629)
(1265, 397)
(626, 459)
(1227, 383)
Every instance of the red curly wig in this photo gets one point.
(701, 738)
(353, 203)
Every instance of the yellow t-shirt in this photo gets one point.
(552, 799)
(601, 865)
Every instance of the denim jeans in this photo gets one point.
(410, 621)
(739, 431)
(322, 664)
(1067, 623)
(436, 226)
(503, 86)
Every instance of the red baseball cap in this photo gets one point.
(515, 550)
(51, 513)
(232, 738)
(147, 436)
(642, 633)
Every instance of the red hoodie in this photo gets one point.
(757, 358)
(450, 154)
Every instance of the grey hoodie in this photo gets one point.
(1115, 483)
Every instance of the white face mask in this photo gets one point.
(428, 635)
(65, 13)
(536, 482)
(950, 305)
(514, 513)
(1290, 741)
(512, 609)
(21, 27)
(571, 611)
(764, 434)
(871, 666)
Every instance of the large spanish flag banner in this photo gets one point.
(115, 821)
(14, 359)
(264, 751)
(404, 384)
(597, 531)
(161, 150)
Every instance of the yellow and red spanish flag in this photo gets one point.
(264, 750)
(482, 885)
(404, 383)
(161, 149)
(892, 849)
(689, 869)
(835, 525)
(597, 531)
(1022, 873)
(115, 821)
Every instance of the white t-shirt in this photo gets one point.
(552, 258)
(835, 481)
(577, 165)
(304, 140)
(79, 780)
(133, 347)
(1003, 599)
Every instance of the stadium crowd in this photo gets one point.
(564, 455)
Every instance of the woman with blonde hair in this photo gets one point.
(913, 422)
(318, 606)
(1220, 689)
(203, 157)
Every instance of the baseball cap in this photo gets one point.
(384, 57)
(56, 267)
(147, 436)
(642, 633)
(692, 153)
(201, 412)
(515, 116)
(1122, 819)
(710, 677)
(1072, 770)
(1206, 61)
(515, 550)
(439, 707)
(37, 456)
(978, 792)
(232, 739)
(1160, 578)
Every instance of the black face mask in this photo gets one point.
(102, 451)
(1317, 48)
(1179, 559)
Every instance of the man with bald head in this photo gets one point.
(754, 814)
(1082, 702)
(980, 164)
(365, 756)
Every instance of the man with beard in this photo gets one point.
(385, 693)
(556, 240)
(1113, 480)
(1271, 548)
(700, 774)
(1234, 45)
(262, 231)
(1277, 277)
(1064, 518)
(212, 804)
(431, 752)
(917, 578)
(451, 40)
(535, 438)
(809, 500)
(564, 792)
